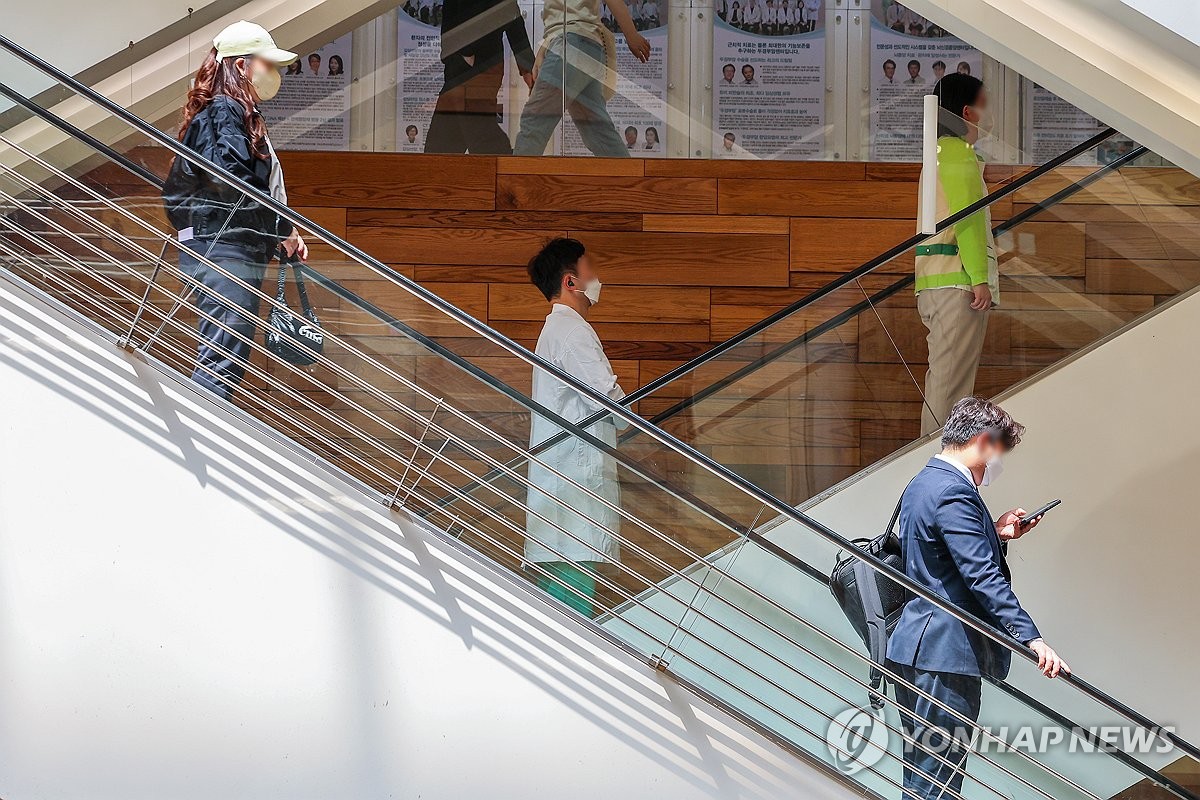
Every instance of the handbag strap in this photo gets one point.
(301, 288)
(279, 296)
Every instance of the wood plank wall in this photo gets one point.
(691, 252)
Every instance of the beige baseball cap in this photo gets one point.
(248, 39)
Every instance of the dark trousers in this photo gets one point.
(222, 356)
(465, 117)
(931, 727)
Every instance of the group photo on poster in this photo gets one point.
(312, 109)
(769, 81)
(909, 55)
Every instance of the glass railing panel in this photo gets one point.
(840, 383)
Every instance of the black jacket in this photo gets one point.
(476, 27)
(203, 202)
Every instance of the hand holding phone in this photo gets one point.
(1033, 517)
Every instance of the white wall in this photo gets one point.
(96, 30)
(188, 610)
(1182, 18)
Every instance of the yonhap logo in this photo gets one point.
(857, 739)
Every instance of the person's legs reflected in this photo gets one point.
(570, 78)
(938, 739)
(956, 333)
(480, 123)
(545, 106)
(445, 133)
(465, 118)
(565, 576)
(228, 311)
(586, 104)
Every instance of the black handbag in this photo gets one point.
(872, 601)
(296, 338)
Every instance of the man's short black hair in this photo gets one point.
(955, 92)
(411, 128)
(972, 416)
(631, 129)
(938, 63)
(728, 66)
(915, 63)
(889, 61)
(556, 259)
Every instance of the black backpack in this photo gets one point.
(871, 600)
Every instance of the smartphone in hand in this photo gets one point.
(1030, 518)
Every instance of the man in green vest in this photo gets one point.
(957, 282)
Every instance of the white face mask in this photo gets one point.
(992, 470)
(266, 82)
(592, 291)
(985, 121)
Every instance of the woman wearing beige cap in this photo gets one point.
(222, 123)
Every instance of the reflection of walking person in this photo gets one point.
(574, 494)
(957, 281)
(571, 73)
(465, 118)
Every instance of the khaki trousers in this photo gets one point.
(955, 343)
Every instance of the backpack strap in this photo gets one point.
(864, 580)
(865, 577)
(891, 528)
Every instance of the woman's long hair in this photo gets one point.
(223, 77)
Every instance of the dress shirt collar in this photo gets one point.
(966, 472)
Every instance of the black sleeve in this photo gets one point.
(518, 39)
(232, 149)
(231, 146)
(454, 14)
(179, 191)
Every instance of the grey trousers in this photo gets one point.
(955, 344)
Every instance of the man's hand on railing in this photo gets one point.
(1049, 662)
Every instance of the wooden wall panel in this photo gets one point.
(692, 252)
(606, 193)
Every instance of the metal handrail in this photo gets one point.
(612, 408)
(271, 380)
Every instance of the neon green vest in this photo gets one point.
(963, 255)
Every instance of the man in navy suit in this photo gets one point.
(952, 546)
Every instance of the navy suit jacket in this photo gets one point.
(950, 545)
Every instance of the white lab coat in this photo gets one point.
(570, 343)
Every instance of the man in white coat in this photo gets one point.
(572, 523)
